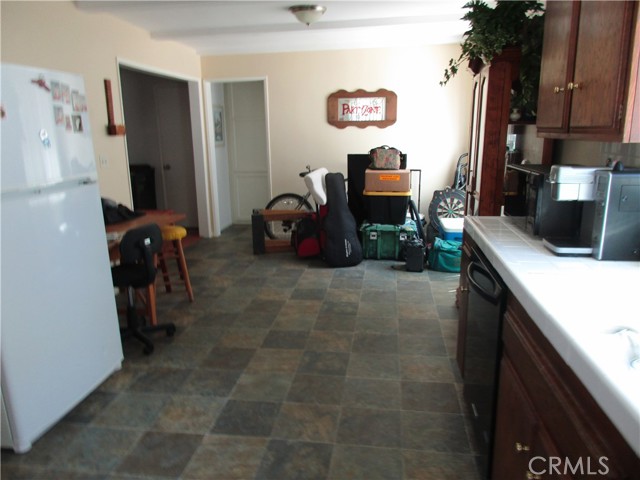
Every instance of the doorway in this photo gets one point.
(164, 142)
(241, 152)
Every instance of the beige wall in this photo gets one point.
(433, 121)
(56, 35)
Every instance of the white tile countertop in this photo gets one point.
(577, 302)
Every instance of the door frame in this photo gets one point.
(202, 166)
(213, 172)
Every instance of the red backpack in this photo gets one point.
(307, 237)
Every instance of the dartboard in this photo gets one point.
(447, 203)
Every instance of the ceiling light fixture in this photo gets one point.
(308, 13)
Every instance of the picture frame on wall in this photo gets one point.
(218, 125)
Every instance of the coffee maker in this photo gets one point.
(576, 184)
(610, 220)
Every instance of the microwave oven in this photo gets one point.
(529, 197)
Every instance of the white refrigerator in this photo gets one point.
(58, 322)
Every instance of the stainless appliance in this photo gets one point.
(60, 335)
(482, 350)
(616, 226)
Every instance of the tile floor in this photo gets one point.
(281, 369)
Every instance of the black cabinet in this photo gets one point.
(143, 187)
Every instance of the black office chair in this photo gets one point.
(137, 269)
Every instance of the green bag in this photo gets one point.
(445, 255)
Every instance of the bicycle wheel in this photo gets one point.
(281, 229)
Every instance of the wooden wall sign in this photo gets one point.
(362, 109)
(112, 128)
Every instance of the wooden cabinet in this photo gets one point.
(547, 423)
(586, 89)
(488, 138)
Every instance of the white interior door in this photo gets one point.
(177, 187)
(248, 148)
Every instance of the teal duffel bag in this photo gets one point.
(444, 255)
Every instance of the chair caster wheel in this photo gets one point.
(171, 331)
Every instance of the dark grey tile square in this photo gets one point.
(430, 397)
(423, 368)
(226, 458)
(90, 407)
(239, 417)
(228, 358)
(97, 449)
(268, 387)
(419, 326)
(132, 410)
(324, 363)
(421, 465)
(288, 339)
(373, 365)
(375, 343)
(263, 306)
(316, 389)
(432, 345)
(328, 341)
(370, 393)
(365, 463)
(308, 294)
(310, 423)
(340, 323)
(373, 427)
(189, 414)
(435, 432)
(160, 380)
(206, 381)
(161, 454)
(339, 308)
(293, 459)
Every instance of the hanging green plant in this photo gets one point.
(510, 23)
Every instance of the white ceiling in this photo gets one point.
(239, 26)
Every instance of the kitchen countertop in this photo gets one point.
(577, 302)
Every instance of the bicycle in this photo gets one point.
(281, 229)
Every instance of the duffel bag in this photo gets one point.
(445, 255)
(385, 158)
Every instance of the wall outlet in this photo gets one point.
(104, 163)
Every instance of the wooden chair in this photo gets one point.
(172, 236)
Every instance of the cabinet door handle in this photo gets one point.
(521, 448)
(558, 90)
(573, 86)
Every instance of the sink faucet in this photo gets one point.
(632, 336)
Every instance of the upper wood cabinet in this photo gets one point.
(586, 89)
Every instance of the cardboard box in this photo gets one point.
(387, 180)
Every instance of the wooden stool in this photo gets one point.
(172, 236)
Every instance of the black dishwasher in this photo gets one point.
(483, 348)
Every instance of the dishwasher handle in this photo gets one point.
(495, 295)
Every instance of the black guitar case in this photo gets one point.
(341, 246)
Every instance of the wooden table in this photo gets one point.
(158, 217)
